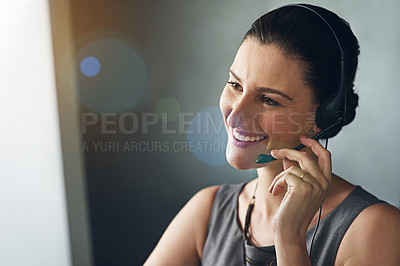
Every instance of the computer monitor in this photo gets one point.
(42, 192)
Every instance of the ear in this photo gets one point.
(316, 129)
(313, 130)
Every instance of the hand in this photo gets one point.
(304, 195)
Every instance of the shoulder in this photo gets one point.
(373, 238)
(195, 215)
(205, 196)
(201, 203)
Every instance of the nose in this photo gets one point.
(243, 114)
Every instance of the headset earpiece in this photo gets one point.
(326, 116)
(333, 110)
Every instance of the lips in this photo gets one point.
(243, 138)
(247, 138)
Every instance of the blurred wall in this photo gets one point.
(136, 60)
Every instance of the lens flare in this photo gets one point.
(207, 137)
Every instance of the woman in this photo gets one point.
(287, 67)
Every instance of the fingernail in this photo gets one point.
(303, 137)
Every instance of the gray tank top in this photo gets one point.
(223, 245)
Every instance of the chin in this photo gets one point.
(243, 158)
(238, 165)
(240, 162)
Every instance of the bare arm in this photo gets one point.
(182, 242)
(373, 238)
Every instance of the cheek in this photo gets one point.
(274, 124)
(302, 123)
(287, 125)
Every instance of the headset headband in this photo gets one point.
(333, 110)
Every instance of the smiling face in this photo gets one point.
(265, 104)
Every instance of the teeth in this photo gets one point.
(247, 138)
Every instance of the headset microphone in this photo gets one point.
(264, 158)
(331, 114)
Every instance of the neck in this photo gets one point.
(265, 200)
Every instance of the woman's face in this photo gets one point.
(265, 104)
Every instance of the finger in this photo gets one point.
(304, 176)
(281, 183)
(307, 164)
(293, 170)
(279, 186)
(296, 171)
(304, 159)
(324, 156)
(276, 179)
(287, 163)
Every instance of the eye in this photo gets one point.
(269, 101)
(234, 85)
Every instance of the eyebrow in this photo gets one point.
(264, 89)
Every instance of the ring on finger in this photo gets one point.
(301, 177)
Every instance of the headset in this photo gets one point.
(333, 110)
(331, 114)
